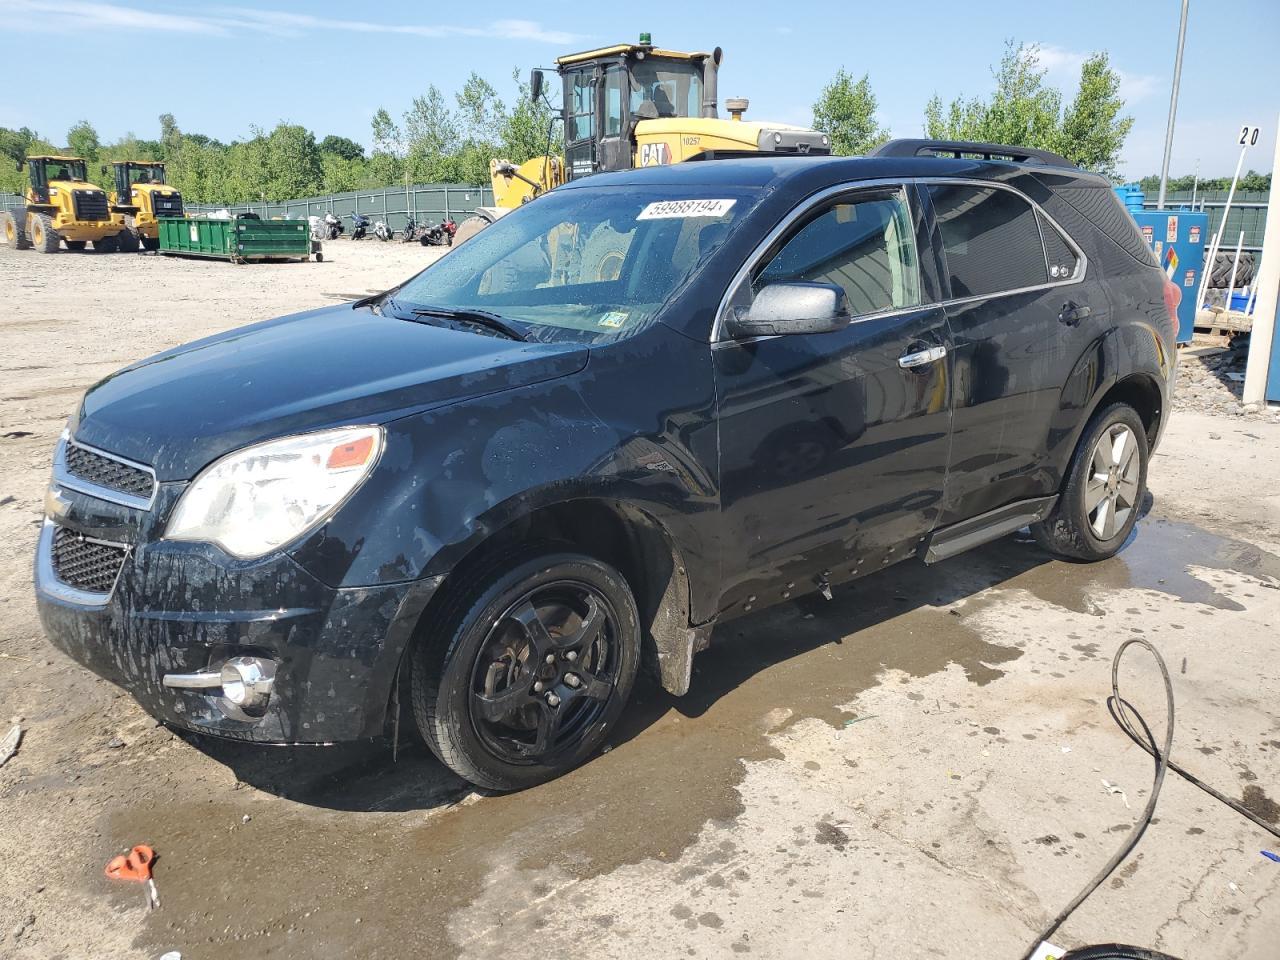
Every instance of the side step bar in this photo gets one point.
(986, 527)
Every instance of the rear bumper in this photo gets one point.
(179, 608)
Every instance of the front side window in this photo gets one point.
(584, 264)
(864, 244)
(580, 94)
(613, 84)
(990, 237)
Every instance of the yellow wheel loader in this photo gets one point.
(636, 105)
(140, 198)
(61, 205)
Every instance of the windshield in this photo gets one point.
(66, 170)
(146, 174)
(583, 264)
(674, 87)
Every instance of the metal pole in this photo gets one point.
(1267, 291)
(1217, 239)
(1173, 106)
(1235, 265)
(1195, 186)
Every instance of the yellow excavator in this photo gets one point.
(61, 205)
(636, 105)
(140, 198)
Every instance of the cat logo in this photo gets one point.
(654, 154)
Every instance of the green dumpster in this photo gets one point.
(238, 240)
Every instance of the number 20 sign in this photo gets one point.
(1248, 136)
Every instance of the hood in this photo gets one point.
(184, 408)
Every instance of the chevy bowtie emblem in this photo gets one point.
(56, 506)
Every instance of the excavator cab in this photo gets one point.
(609, 91)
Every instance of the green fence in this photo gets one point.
(1248, 213)
(423, 201)
(394, 205)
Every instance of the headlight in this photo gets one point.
(260, 498)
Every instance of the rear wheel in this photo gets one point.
(151, 243)
(532, 666)
(43, 237)
(1099, 502)
(107, 244)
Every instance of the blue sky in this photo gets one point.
(329, 65)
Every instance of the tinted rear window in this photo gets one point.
(990, 237)
(1101, 207)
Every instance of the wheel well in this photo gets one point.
(622, 536)
(1140, 392)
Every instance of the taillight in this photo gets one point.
(1172, 297)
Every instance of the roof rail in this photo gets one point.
(965, 149)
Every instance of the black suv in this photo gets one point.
(637, 407)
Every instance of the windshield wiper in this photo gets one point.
(481, 318)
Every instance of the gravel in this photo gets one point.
(1212, 381)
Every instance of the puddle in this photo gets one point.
(347, 855)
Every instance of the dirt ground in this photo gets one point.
(917, 768)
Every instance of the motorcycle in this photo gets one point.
(439, 234)
(382, 231)
(410, 232)
(359, 226)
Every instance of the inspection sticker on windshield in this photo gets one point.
(680, 209)
(613, 319)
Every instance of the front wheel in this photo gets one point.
(1103, 491)
(531, 669)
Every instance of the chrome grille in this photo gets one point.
(88, 565)
(105, 472)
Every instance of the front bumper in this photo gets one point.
(181, 608)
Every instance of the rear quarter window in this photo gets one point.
(1101, 207)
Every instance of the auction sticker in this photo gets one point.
(680, 209)
(614, 319)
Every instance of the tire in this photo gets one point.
(319, 257)
(150, 243)
(468, 228)
(107, 244)
(43, 237)
(487, 700)
(129, 239)
(76, 244)
(13, 229)
(1075, 530)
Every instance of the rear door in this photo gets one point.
(833, 447)
(1020, 319)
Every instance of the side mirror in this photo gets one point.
(535, 85)
(795, 307)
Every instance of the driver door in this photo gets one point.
(833, 447)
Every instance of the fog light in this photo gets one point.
(247, 681)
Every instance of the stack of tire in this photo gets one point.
(1220, 275)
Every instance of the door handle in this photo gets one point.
(920, 358)
(1072, 313)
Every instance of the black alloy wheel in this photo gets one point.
(536, 672)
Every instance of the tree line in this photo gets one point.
(451, 140)
(435, 141)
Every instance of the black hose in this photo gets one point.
(1121, 711)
